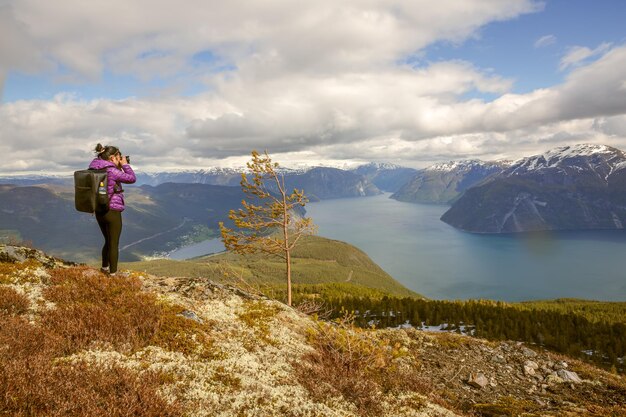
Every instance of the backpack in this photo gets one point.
(90, 190)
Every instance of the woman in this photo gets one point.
(110, 222)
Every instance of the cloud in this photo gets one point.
(17, 50)
(323, 36)
(305, 80)
(545, 41)
(403, 114)
(576, 55)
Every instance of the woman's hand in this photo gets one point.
(123, 161)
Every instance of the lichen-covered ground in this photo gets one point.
(76, 342)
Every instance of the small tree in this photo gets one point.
(267, 222)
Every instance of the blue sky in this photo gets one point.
(201, 84)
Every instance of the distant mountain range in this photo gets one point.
(156, 219)
(443, 183)
(567, 188)
(387, 177)
(319, 183)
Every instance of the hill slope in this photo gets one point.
(80, 343)
(330, 265)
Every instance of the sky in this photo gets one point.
(200, 83)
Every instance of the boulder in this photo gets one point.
(477, 380)
(530, 367)
(569, 376)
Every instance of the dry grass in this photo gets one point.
(33, 383)
(12, 302)
(90, 310)
(94, 308)
(357, 365)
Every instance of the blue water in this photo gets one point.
(430, 257)
(198, 249)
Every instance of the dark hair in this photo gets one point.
(105, 152)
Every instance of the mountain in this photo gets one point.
(323, 183)
(567, 188)
(37, 180)
(156, 219)
(211, 176)
(78, 343)
(444, 182)
(385, 176)
(319, 183)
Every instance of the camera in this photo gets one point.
(128, 158)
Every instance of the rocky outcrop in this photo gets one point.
(512, 379)
(570, 188)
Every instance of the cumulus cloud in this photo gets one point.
(318, 81)
(323, 36)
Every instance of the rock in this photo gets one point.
(477, 380)
(529, 353)
(553, 378)
(569, 376)
(191, 315)
(560, 365)
(13, 254)
(531, 365)
(498, 359)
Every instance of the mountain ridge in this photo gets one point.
(444, 182)
(566, 188)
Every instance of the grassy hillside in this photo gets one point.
(319, 265)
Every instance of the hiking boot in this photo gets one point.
(119, 274)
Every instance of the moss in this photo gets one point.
(19, 272)
(258, 315)
(224, 377)
(181, 334)
(507, 406)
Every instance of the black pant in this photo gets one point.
(110, 223)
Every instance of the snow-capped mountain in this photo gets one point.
(386, 176)
(599, 159)
(566, 188)
(211, 176)
(443, 182)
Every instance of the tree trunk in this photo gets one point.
(286, 240)
(288, 277)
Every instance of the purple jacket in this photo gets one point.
(115, 176)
